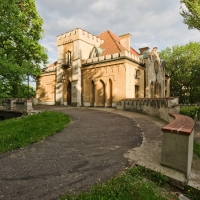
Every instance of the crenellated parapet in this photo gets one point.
(78, 34)
(124, 54)
(49, 69)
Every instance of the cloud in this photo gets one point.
(151, 23)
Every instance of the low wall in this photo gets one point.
(18, 105)
(177, 144)
(160, 107)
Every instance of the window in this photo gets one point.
(137, 74)
(96, 52)
(136, 91)
(68, 58)
(66, 62)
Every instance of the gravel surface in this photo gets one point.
(88, 151)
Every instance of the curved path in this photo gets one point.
(88, 151)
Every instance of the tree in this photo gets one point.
(183, 66)
(20, 33)
(26, 91)
(5, 89)
(191, 14)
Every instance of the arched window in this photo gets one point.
(96, 52)
(68, 57)
(152, 89)
(66, 62)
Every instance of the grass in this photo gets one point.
(19, 132)
(191, 193)
(197, 148)
(138, 183)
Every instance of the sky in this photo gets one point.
(155, 23)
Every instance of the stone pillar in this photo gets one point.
(13, 104)
(76, 83)
(59, 73)
(177, 144)
(28, 106)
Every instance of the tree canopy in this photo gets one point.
(20, 51)
(191, 14)
(183, 66)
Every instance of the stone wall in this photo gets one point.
(17, 105)
(160, 107)
(46, 88)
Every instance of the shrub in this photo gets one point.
(191, 111)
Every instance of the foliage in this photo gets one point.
(191, 14)
(5, 89)
(20, 51)
(191, 111)
(26, 91)
(183, 66)
(197, 148)
(137, 183)
(19, 132)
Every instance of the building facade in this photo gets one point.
(100, 71)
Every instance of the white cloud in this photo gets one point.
(104, 7)
(151, 23)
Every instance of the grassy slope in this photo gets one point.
(137, 183)
(20, 132)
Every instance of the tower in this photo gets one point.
(73, 47)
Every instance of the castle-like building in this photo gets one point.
(100, 71)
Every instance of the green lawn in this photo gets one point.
(19, 132)
(197, 148)
(138, 183)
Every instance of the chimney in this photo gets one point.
(125, 40)
(143, 49)
(155, 49)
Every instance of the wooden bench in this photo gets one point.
(177, 143)
(181, 125)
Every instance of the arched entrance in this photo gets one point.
(69, 93)
(101, 94)
(92, 94)
(109, 94)
(157, 89)
(152, 89)
(136, 91)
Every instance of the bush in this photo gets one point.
(191, 111)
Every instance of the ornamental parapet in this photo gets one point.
(115, 56)
(160, 107)
(49, 69)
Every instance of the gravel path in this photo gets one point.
(88, 151)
